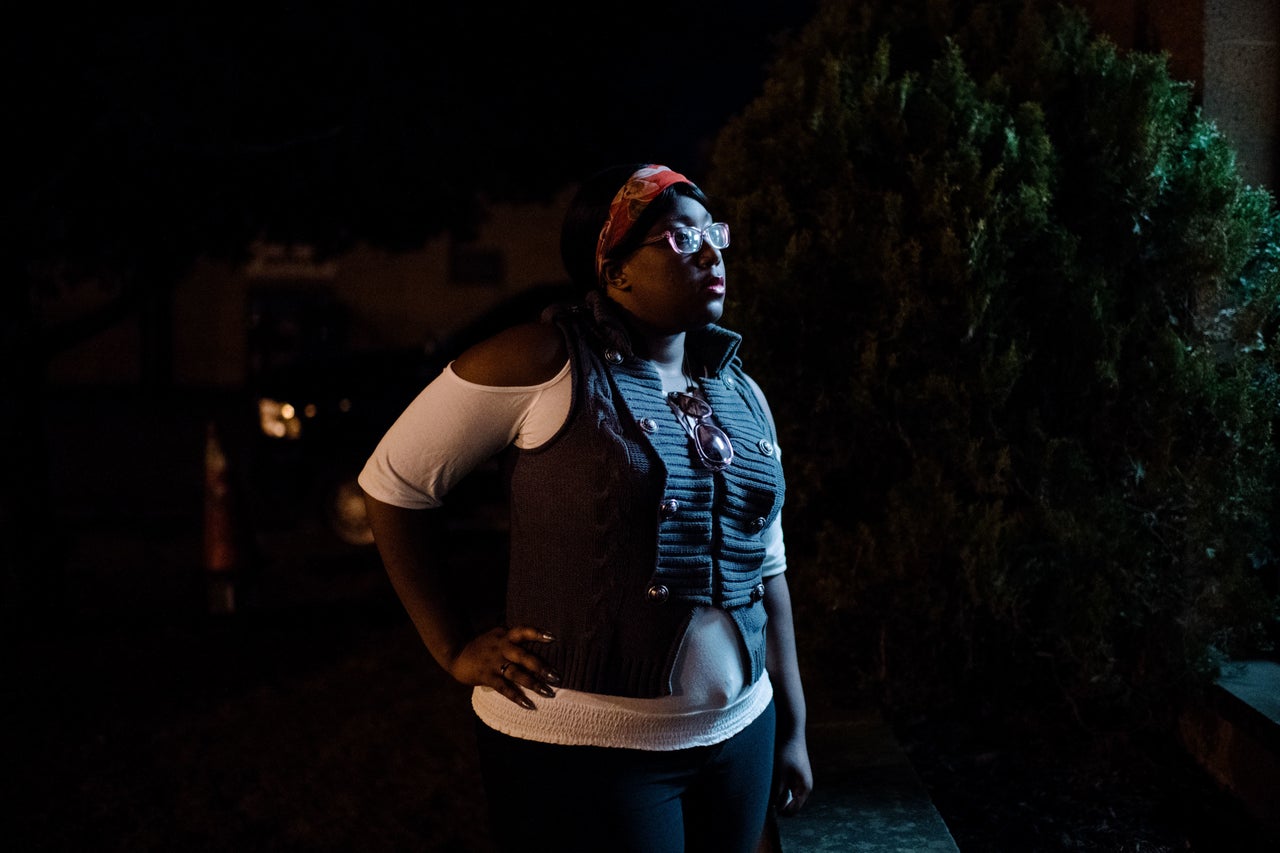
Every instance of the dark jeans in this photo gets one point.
(585, 798)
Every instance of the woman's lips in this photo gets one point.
(716, 285)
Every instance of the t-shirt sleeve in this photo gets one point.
(775, 550)
(452, 427)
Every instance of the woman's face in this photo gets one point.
(671, 292)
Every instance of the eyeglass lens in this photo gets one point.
(686, 241)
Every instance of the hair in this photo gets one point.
(580, 232)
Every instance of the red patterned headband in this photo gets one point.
(640, 189)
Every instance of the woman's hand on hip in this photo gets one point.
(496, 659)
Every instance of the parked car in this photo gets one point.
(317, 418)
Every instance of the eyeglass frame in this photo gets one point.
(670, 236)
(675, 399)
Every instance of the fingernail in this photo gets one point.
(527, 704)
(544, 690)
(551, 677)
(547, 636)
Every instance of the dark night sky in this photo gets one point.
(324, 124)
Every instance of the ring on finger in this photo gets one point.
(502, 670)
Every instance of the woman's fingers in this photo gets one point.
(528, 669)
(524, 634)
(508, 688)
(793, 777)
(496, 659)
(521, 676)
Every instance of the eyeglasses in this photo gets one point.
(713, 446)
(687, 240)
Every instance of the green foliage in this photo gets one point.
(1017, 313)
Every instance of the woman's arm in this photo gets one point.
(448, 429)
(792, 774)
(411, 542)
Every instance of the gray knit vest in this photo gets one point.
(617, 530)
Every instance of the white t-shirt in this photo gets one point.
(452, 427)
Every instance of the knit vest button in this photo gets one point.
(757, 524)
(669, 507)
(648, 424)
(766, 446)
(757, 592)
(613, 356)
(657, 594)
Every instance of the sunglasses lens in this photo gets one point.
(692, 406)
(713, 446)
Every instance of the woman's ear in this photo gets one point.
(614, 276)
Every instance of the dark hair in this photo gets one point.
(589, 209)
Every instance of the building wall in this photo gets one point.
(1228, 49)
(1242, 82)
(1175, 27)
(395, 299)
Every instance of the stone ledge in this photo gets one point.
(1236, 737)
(867, 797)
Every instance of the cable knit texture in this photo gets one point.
(601, 557)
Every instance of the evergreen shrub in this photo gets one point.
(1016, 313)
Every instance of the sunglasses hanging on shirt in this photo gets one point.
(711, 443)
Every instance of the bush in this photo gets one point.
(1016, 312)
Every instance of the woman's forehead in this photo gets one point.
(687, 210)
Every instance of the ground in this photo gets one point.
(139, 721)
(1042, 784)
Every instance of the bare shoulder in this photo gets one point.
(527, 354)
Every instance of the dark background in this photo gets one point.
(146, 709)
(142, 716)
(331, 122)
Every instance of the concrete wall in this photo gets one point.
(1242, 82)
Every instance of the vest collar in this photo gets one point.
(712, 345)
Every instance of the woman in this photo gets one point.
(634, 698)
